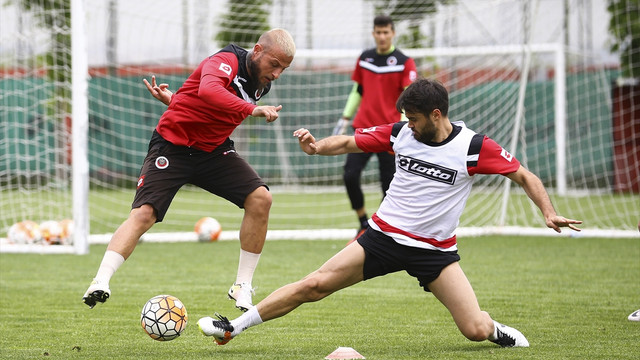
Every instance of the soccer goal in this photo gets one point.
(539, 101)
(72, 143)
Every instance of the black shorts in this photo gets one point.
(167, 167)
(384, 256)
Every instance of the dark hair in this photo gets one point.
(423, 96)
(383, 20)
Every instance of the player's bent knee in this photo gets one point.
(311, 289)
(259, 200)
(145, 215)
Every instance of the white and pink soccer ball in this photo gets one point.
(51, 232)
(48, 232)
(67, 231)
(24, 232)
(208, 229)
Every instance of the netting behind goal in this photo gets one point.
(550, 105)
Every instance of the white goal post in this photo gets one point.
(80, 129)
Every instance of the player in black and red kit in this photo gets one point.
(380, 75)
(191, 144)
(415, 227)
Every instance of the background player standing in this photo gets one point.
(380, 75)
(191, 144)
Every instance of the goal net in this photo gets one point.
(549, 104)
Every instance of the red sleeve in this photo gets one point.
(374, 139)
(492, 159)
(215, 81)
(410, 73)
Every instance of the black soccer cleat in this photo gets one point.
(96, 293)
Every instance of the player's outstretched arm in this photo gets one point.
(332, 145)
(536, 192)
(160, 92)
(267, 111)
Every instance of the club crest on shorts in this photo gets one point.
(162, 162)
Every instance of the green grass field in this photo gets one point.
(569, 296)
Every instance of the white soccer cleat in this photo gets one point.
(242, 293)
(509, 337)
(634, 316)
(97, 292)
(220, 329)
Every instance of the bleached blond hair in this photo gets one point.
(278, 37)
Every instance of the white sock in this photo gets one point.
(110, 263)
(494, 336)
(246, 266)
(245, 321)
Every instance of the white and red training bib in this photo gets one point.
(432, 182)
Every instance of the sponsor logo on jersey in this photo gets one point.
(505, 154)
(162, 162)
(258, 94)
(371, 129)
(427, 170)
(226, 68)
(140, 181)
(392, 60)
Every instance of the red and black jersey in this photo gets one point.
(382, 78)
(212, 102)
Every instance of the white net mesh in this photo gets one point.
(475, 48)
